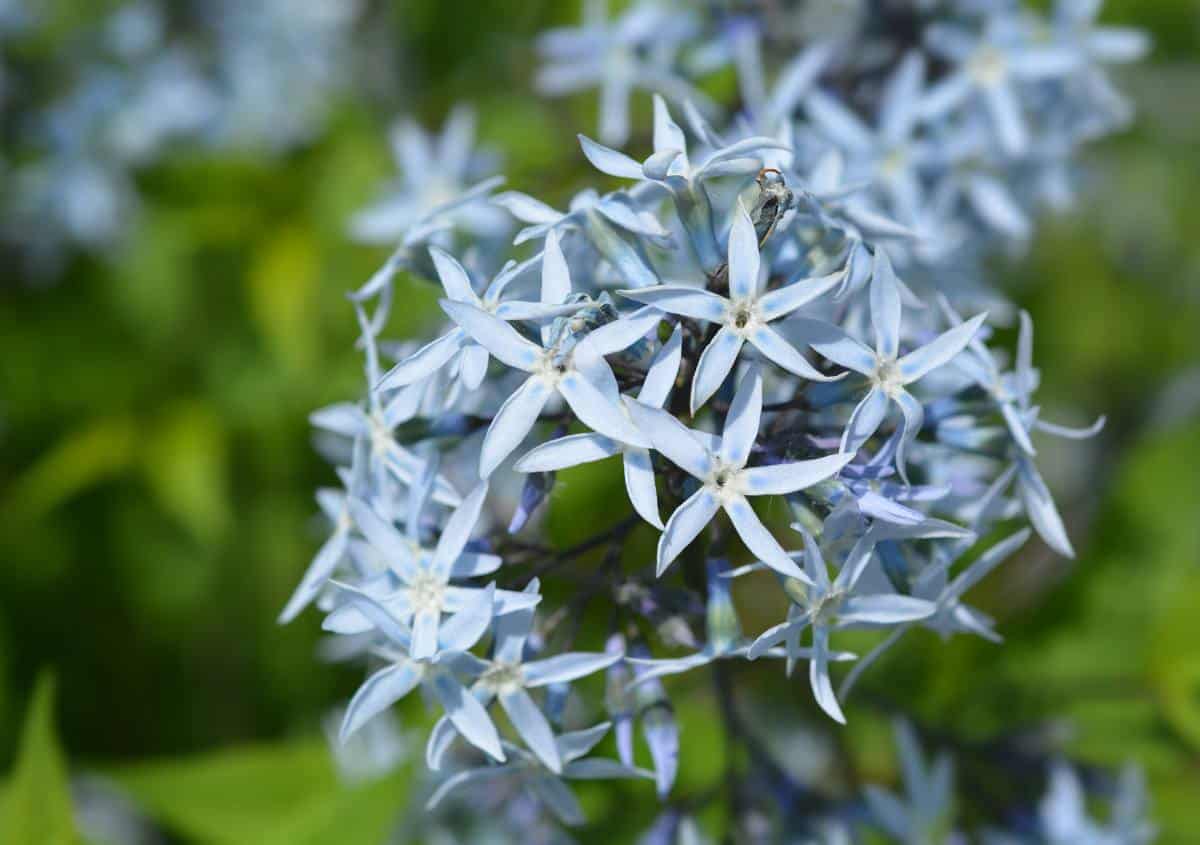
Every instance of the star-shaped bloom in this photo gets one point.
(988, 69)
(417, 587)
(633, 50)
(744, 316)
(455, 344)
(558, 365)
(527, 771)
(827, 605)
(575, 449)
(725, 640)
(671, 167)
(440, 676)
(888, 372)
(435, 173)
(725, 480)
(508, 677)
(924, 814)
(376, 424)
(887, 154)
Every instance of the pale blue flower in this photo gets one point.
(726, 482)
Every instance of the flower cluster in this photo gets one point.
(791, 309)
(142, 81)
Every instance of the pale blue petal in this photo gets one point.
(830, 341)
(566, 667)
(569, 451)
(667, 134)
(783, 301)
(426, 622)
(774, 635)
(1040, 508)
(840, 124)
(465, 628)
(574, 744)
(688, 520)
(512, 422)
(884, 609)
(856, 563)
(424, 362)
(696, 303)
(818, 676)
(622, 333)
(558, 797)
(901, 96)
(458, 529)
(885, 306)
(345, 418)
(671, 438)
(474, 564)
(639, 484)
(609, 161)
(454, 278)
(993, 202)
(780, 479)
(939, 351)
(322, 566)
(744, 260)
(742, 421)
(495, 335)
(526, 208)
(385, 539)
(378, 693)
(556, 276)
(597, 412)
(984, 564)
(468, 715)
(865, 420)
(472, 367)
(648, 670)
(714, 366)
(759, 540)
(467, 778)
(532, 726)
(1007, 119)
(663, 371)
(772, 345)
(914, 418)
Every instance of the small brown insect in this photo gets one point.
(774, 199)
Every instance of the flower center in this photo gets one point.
(988, 66)
(427, 591)
(500, 676)
(887, 375)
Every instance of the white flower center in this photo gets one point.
(742, 317)
(725, 481)
(427, 591)
(502, 676)
(887, 376)
(988, 66)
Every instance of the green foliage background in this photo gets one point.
(156, 469)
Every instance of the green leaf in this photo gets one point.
(37, 804)
(286, 793)
(186, 466)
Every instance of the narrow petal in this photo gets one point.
(686, 301)
(458, 529)
(742, 421)
(865, 420)
(774, 635)
(532, 726)
(472, 367)
(883, 609)
(474, 564)
(914, 418)
(466, 778)
(512, 422)
(493, 334)
(1005, 111)
(569, 451)
(818, 676)
(596, 411)
(556, 277)
(744, 260)
(671, 438)
(425, 632)
(1040, 508)
(378, 693)
(772, 344)
(688, 520)
(885, 306)
(424, 362)
(622, 333)
(663, 371)
(566, 667)
(608, 160)
(901, 97)
(759, 540)
(465, 628)
(780, 479)
(714, 365)
(783, 301)
(526, 208)
(639, 484)
(468, 715)
(314, 580)
(454, 278)
(939, 351)
(829, 340)
(382, 536)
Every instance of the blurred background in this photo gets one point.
(156, 372)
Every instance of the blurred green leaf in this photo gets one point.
(185, 464)
(37, 802)
(97, 451)
(281, 287)
(287, 793)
